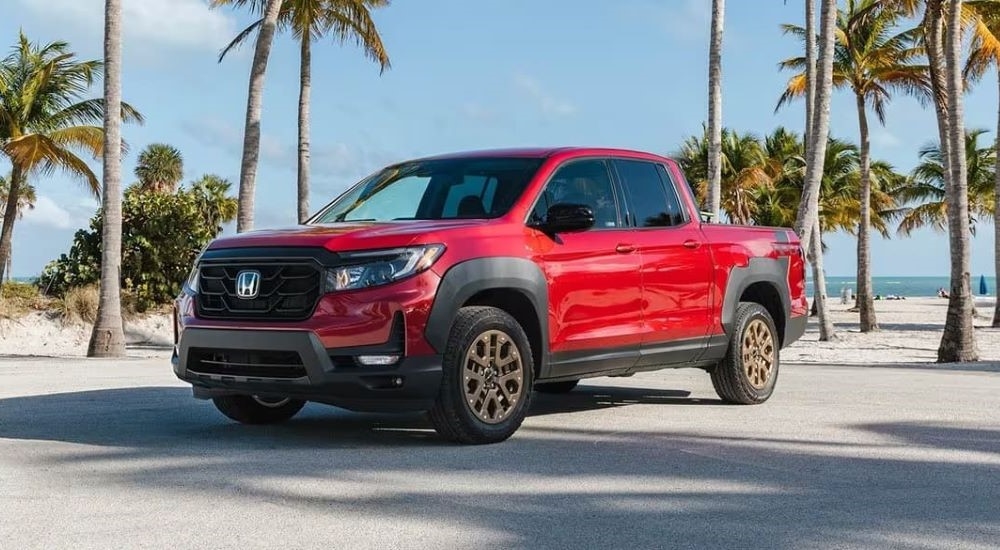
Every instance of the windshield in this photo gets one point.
(465, 188)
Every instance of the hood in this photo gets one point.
(345, 236)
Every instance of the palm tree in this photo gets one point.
(255, 99)
(715, 108)
(743, 172)
(927, 187)
(215, 204)
(941, 29)
(308, 20)
(108, 336)
(815, 251)
(871, 59)
(818, 124)
(984, 53)
(160, 168)
(26, 202)
(44, 123)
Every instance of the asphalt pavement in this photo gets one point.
(116, 454)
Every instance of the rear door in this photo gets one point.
(675, 264)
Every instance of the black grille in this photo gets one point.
(288, 291)
(246, 363)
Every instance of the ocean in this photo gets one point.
(911, 287)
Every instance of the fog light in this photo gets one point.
(377, 360)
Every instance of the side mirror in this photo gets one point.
(566, 218)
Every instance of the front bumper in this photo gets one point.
(323, 375)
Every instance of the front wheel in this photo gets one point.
(487, 376)
(248, 409)
(747, 374)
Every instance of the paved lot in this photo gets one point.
(115, 455)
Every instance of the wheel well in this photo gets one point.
(767, 295)
(521, 309)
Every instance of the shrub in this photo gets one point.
(80, 304)
(161, 236)
(20, 298)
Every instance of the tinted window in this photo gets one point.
(585, 182)
(436, 189)
(652, 201)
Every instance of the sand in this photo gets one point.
(47, 335)
(910, 333)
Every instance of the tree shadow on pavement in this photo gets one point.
(549, 486)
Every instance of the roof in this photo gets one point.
(536, 152)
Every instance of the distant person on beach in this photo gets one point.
(942, 293)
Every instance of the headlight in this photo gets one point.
(192, 281)
(379, 267)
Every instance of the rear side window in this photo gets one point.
(652, 200)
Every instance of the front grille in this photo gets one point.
(246, 363)
(288, 291)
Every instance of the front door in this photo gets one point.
(595, 309)
(676, 265)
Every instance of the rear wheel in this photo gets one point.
(556, 387)
(248, 409)
(487, 377)
(747, 374)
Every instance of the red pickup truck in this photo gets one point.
(460, 284)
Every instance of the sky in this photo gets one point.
(465, 75)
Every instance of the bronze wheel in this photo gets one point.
(486, 379)
(749, 371)
(493, 379)
(758, 353)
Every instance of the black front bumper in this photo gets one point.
(323, 375)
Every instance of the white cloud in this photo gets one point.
(684, 20)
(49, 214)
(549, 104)
(477, 112)
(339, 160)
(882, 138)
(146, 23)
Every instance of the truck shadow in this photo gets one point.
(163, 416)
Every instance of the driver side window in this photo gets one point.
(585, 182)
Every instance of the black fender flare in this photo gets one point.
(464, 280)
(773, 271)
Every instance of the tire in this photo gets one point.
(247, 409)
(749, 378)
(556, 387)
(500, 397)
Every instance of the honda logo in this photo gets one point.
(247, 284)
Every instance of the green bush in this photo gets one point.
(162, 234)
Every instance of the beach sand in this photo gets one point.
(46, 335)
(910, 333)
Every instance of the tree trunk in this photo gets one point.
(996, 225)
(866, 299)
(715, 109)
(826, 330)
(9, 215)
(305, 92)
(108, 336)
(810, 70)
(958, 344)
(819, 126)
(251, 131)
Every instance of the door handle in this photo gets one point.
(624, 248)
(691, 243)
